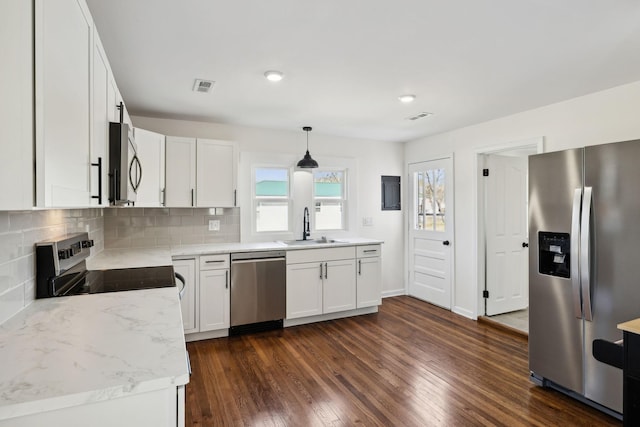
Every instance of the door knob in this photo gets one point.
(446, 243)
(525, 245)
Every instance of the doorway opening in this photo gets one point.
(503, 255)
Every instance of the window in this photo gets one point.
(430, 200)
(330, 200)
(271, 199)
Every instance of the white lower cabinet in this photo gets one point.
(159, 408)
(320, 281)
(206, 301)
(304, 290)
(214, 299)
(339, 286)
(369, 276)
(188, 304)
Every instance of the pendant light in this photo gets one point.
(307, 162)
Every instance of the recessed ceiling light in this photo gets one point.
(406, 98)
(273, 75)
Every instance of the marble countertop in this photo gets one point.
(68, 351)
(129, 258)
(222, 248)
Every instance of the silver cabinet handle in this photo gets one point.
(326, 269)
(235, 197)
(575, 260)
(226, 279)
(359, 267)
(193, 197)
(214, 260)
(321, 270)
(366, 251)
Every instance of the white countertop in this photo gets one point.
(68, 351)
(129, 258)
(221, 248)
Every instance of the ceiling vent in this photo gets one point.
(204, 86)
(420, 116)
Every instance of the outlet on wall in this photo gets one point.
(367, 221)
(214, 225)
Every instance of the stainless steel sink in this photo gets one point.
(309, 242)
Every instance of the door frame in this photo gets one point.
(407, 222)
(536, 143)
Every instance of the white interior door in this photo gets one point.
(507, 252)
(431, 231)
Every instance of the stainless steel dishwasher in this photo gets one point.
(258, 291)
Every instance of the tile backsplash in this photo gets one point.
(152, 227)
(19, 231)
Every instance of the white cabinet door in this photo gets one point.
(216, 173)
(180, 175)
(304, 289)
(369, 282)
(16, 108)
(188, 303)
(100, 125)
(151, 155)
(214, 299)
(63, 47)
(339, 286)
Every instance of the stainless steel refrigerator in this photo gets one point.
(584, 265)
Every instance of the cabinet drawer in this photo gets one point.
(214, 262)
(316, 255)
(368, 251)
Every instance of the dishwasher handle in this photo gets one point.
(246, 261)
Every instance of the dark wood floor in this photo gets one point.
(411, 364)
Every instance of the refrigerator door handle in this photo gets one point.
(585, 255)
(575, 260)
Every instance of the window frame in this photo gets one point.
(255, 199)
(344, 200)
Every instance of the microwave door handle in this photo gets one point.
(139, 174)
(135, 182)
(585, 252)
(574, 253)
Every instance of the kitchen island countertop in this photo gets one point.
(69, 351)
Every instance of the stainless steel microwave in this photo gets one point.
(125, 169)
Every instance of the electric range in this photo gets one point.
(61, 271)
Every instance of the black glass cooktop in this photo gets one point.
(126, 279)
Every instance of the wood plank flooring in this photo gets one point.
(411, 364)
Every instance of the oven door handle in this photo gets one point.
(180, 277)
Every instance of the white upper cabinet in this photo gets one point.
(16, 108)
(200, 172)
(64, 43)
(151, 148)
(216, 173)
(180, 176)
(101, 115)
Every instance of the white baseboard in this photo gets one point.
(206, 335)
(394, 293)
(330, 316)
(464, 312)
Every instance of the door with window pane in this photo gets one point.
(431, 231)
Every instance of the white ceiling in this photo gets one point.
(347, 61)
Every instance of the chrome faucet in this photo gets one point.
(305, 224)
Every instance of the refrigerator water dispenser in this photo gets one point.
(554, 254)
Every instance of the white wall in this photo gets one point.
(374, 158)
(607, 116)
